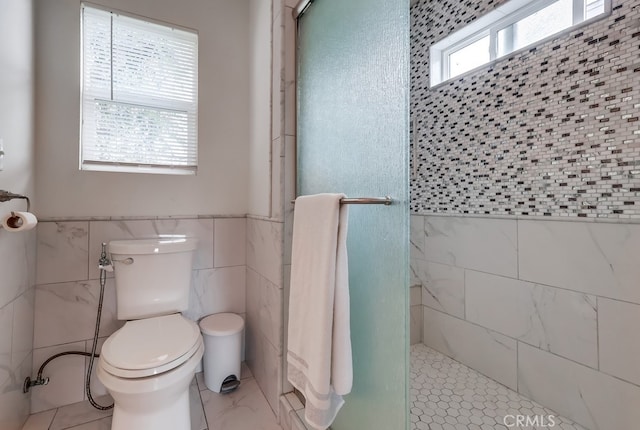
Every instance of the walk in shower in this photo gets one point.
(525, 201)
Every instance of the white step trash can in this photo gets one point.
(222, 335)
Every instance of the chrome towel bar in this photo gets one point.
(363, 201)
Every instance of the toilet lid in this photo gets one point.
(150, 346)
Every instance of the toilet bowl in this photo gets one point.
(147, 367)
(149, 363)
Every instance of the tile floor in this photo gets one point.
(244, 409)
(447, 395)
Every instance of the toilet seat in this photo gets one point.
(150, 346)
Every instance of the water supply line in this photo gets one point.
(105, 266)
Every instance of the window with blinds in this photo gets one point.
(139, 95)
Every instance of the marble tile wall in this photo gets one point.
(67, 290)
(17, 175)
(264, 306)
(548, 308)
(17, 278)
(269, 239)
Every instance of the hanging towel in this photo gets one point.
(319, 343)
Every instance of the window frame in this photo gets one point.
(490, 24)
(147, 101)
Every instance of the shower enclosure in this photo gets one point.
(525, 201)
(352, 137)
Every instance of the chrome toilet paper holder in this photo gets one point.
(5, 196)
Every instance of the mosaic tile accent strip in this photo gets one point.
(447, 395)
(550, 131)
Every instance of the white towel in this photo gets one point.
(319, 343)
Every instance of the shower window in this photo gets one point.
(513, 26)
(139, 95)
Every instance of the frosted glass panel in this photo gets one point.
(353, 83)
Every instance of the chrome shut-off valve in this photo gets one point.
(104, 263)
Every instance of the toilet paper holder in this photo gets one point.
(5, 196)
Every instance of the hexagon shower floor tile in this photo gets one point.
(447, 395)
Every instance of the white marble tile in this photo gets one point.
(264, 307)
(67, 312)
(593, 258)
(277, 179)
(229, 244)
(556, 320)
(415, 295)
(6, 334)
(101, 424)
(66, 384)
(488, 352)
(23, 320)
(294, 401)
(284, 418)
(40, 421)
(80, 413)
(415, 329)
(17, 263)
(265, 363)
(288, 232)
(277, 75)
(289, 194)
(217, 290)
(297, 423)
(97, 389)
(286, 385)
(442, 287)
(414, 280)
(591, 398)
(196, 410)
(63, 251)
(245, 408)
(106, 231)
(618, 325)
(14, 404)
(264, 248)
(487, 245)
(416, 237)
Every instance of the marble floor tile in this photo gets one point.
(40, 420)
(101, 424)
(80, 413)
(244, 409)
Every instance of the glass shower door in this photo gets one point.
(353, 85)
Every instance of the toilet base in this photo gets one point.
(175, 416)
(172, 417)
(159, 402)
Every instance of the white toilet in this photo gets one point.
(148, 364)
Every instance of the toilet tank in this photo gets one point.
(153, 276)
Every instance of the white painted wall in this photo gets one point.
(260, 141)
(221, 185)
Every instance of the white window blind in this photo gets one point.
(139, 95)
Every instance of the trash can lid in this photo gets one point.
(222, 324)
